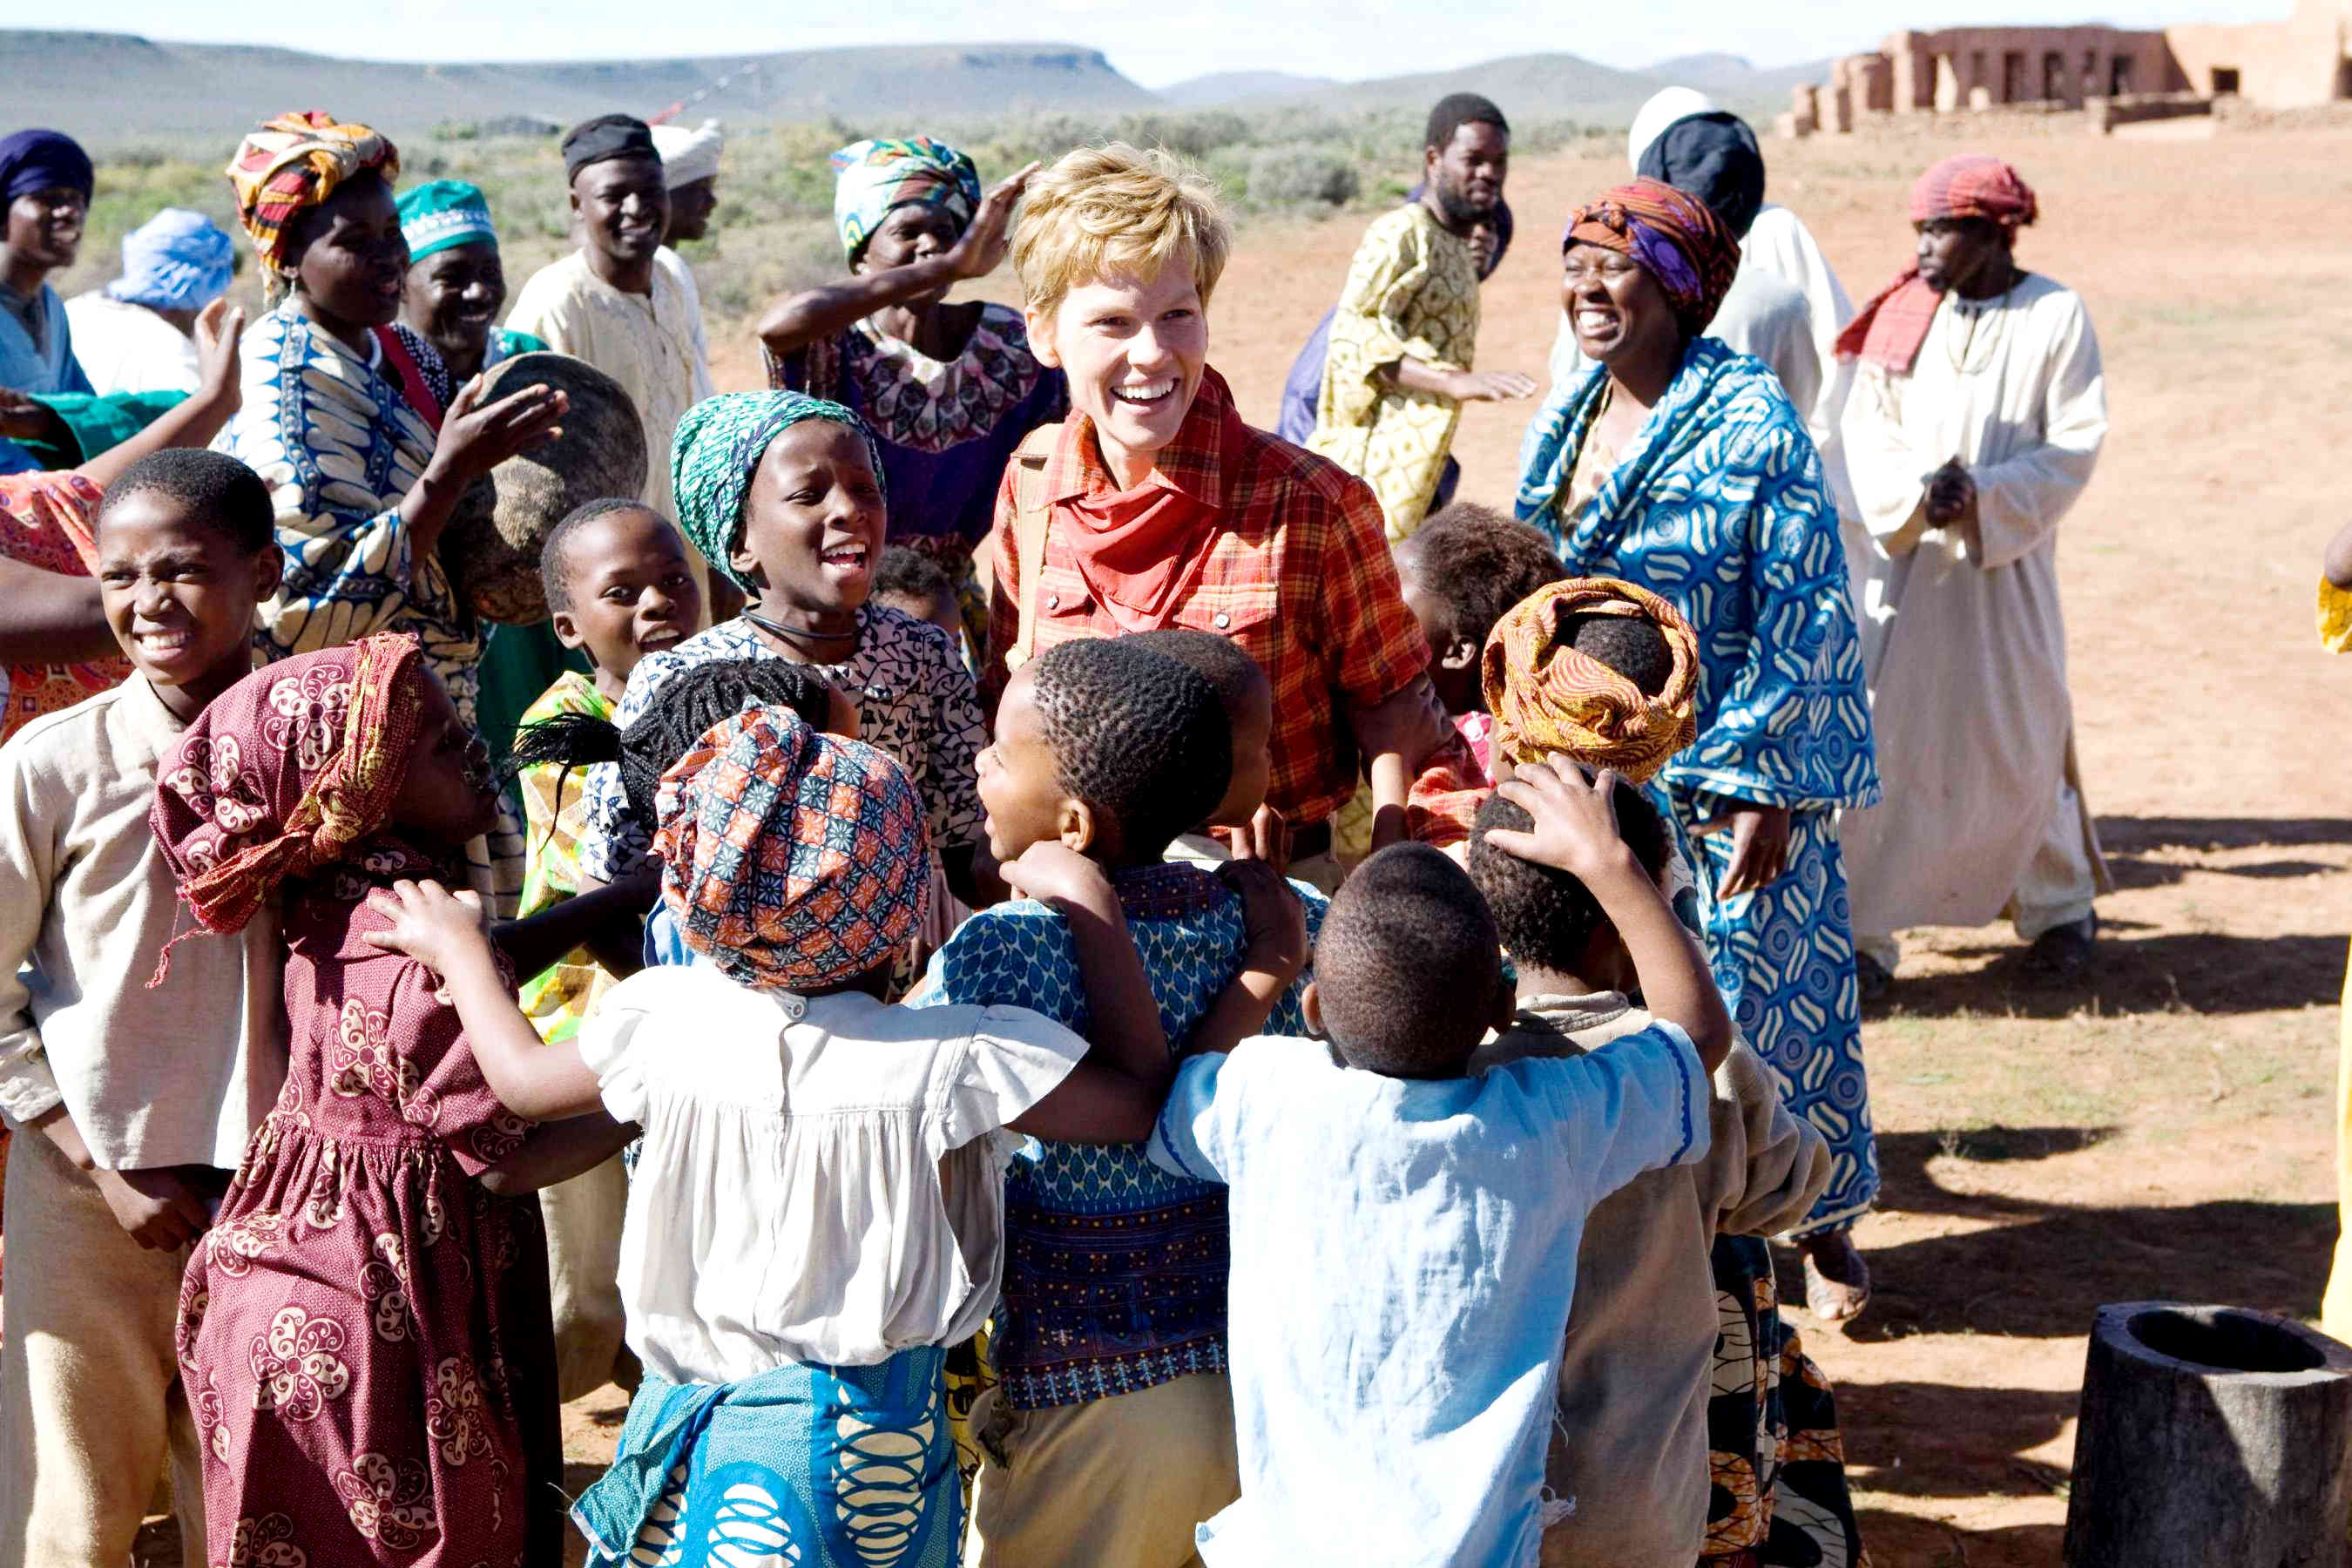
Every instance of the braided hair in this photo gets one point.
(691, 705)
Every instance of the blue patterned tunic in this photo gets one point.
(1115, 1270)
(1718, 505)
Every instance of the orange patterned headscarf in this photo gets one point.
(1547, 696)
(286, 771)
(295, 161)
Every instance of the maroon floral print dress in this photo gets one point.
(365, 1333)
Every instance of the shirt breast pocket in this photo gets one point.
(1246, 613)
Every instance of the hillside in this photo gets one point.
(113, 89)
(1731, 77)
(1226, 89)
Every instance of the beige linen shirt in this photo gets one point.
(179, 1074)
(653, 344)
(1629, 1446)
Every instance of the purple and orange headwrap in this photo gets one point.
(296, 161)
(794, 860)
(285, 772)
(1676, 237)
(1889, 330)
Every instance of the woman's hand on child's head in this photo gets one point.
(1575, 820)
(429, 923)
(1273, 919)
(1053, 873)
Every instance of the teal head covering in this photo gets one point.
(717, 446)
(872, 176)
(440, 214)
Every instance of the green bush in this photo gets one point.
(1301, 175)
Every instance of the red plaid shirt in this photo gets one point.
(1298, 573)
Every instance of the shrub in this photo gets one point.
(1300, 175)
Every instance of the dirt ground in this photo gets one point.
(2162, 1131)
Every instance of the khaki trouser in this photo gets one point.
(91, 1411)
(583, 1261)
(1112, 1483)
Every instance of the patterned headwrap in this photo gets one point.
(1547, 696)
(1677, 238)
(1890, 328)
(717, 446)
(441, 214)
(34, 161)
(177, 260)
(871, 177)
(286, 771)
(791, 858)
(294, 162)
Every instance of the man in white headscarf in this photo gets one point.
(1786, 306)
(690, 170)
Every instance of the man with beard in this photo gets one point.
(1977, 411)
(45, 184)
(1399, 368)
(610, 303)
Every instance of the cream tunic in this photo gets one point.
(1962, 637)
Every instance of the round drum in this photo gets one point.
(491, 548)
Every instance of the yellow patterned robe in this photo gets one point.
(2336, 1307)
(1413, 291)
(557, 1001)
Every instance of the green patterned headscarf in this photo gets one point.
(871, 177)
(717, 449)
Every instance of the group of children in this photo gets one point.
(1165, 1208)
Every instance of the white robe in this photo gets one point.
(1962, 639)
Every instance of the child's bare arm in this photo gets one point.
(609, 920)
(1576, 832)
(1276, 922)
(443, 931)
(559, 1151)
(1114, 1095)
(1397, 735)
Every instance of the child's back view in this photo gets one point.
(1637, 1379)
(1405, 1236)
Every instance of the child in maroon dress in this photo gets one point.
(363, 1335)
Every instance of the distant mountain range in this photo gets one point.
(1539, 86)
(110, 89)
(113, 89)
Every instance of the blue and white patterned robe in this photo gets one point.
(339, 447)
(1718, 505)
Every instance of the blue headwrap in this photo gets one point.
(177, 260)
(43, 160)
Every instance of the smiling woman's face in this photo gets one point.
(352, 260)
(1616, 308)
(813, 520)
(1134, 351)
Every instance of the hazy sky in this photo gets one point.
(1174, 40)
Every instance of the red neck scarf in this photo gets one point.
(1140, 551)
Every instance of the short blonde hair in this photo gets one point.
(1116, 208)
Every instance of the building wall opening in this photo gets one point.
(2225, 81)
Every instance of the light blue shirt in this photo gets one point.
(1403, 1255)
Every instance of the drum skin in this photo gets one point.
(492, 545)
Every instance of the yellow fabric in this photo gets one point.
(1111, 1483)
(2336, 1307)
(1411, 291)
(555, 813)
(2334, 618)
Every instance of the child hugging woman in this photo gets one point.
(363, 1335)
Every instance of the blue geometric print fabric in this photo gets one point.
(1784, 958)
(1718, 505)
(1115, 1270)
(805, 1466)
